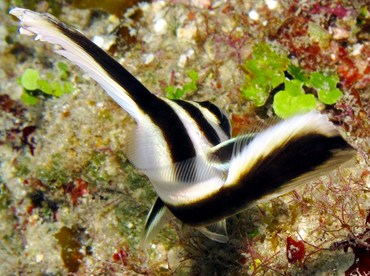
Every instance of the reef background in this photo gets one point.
(71, 202)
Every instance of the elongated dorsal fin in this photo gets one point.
(123, 87)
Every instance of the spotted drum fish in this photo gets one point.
(200, 173)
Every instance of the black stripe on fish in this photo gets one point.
(207, 130)
(283, 165)
(137, 91)
(161, 114)
(223, 119)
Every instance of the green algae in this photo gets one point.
(93, 171)
(54, 174)
(268, 71)
(132, 211)
(264, 71)
(326, 86)
(175, 93)
(5, 196)
(36, 88)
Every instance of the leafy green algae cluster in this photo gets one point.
(175, 93)
(297, 91)
(36, 87)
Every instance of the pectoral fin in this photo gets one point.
(186, 181)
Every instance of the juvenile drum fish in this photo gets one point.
(200, 173)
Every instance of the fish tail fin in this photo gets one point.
(293, 152)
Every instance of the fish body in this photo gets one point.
(201, 174)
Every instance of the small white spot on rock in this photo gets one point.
(271, 4)
(184, 58)
(253, 14)
(201, 3)
(339, 33)
(148, 58)
(357, 49)
(98, 40)
(39, 257)
(160, 26)
(129, 225)
(187, 32)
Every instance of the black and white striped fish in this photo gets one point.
(201, 174)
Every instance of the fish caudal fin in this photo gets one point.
(115, 80)
(271, 163)
(288, 154)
